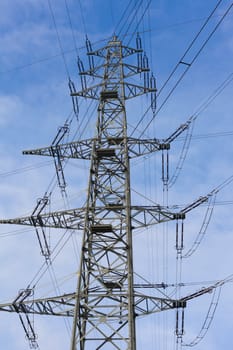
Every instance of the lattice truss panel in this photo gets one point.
(106, 264)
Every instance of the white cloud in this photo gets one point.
(10, 107)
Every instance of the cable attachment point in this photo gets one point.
(40, 230)
(26, 321)
(57, 153)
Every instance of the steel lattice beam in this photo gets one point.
(63, 305)
(74, 218)
(83, 149)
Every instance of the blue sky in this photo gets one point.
(34, 102)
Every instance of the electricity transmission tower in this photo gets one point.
(107, 302)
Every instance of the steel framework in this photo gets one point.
(107, 301)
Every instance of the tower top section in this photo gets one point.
(114, 71)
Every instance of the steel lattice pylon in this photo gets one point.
(106, 303)
(104, 310)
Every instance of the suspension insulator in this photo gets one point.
(90, 57)
(88, 45)
(74, 98)
(179, 237)
(80, 65)
(139, 53)
(138, 42)
(145, 64)
(81, 73)
(153, 93)
(152, 82)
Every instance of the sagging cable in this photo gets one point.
(208, 320)
(203, 228)
(183, 155)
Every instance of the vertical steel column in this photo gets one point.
(104, 313)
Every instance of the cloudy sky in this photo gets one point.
(40, 42)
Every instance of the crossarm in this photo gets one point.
(56, 306)
(82, 149)
(67, 219)
(141, 216)
(63, 305)
(74, 218)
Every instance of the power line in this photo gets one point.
(82, 16)
(188, 65)
(41, 60)
(214, 95)
(71, 51)
(140, 20)
(71, 26)
(58, 38)
(104, 271)
(182, 59)
(209, 135)
(122, 17)
(25, 169)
